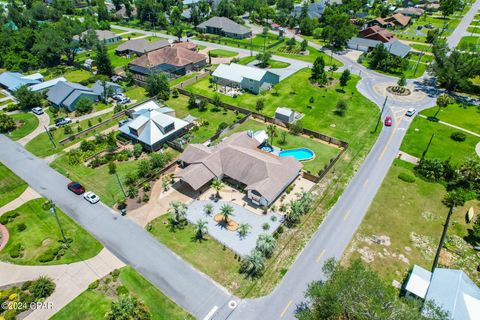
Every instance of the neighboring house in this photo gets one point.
(46, 85)
(314, 10)
(186, 45)
(377, 33)
(152, 126)
(238, 159)
(105, 36)
(451, 290)
(176, 61)
(112, 88)
(14, 80)
(395, 47)
(396, 20)
(67, 94)
(411, 11)
(224, 27)
(252, 79)
(140, 46)
(285, 115)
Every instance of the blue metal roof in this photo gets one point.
(14, 80)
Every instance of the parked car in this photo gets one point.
(118, 96)
(125, 100)
(91, 197)
(388, 121)
(76, 187)
(122, 122)
(37, 110)
(410, 112)
(62, 121)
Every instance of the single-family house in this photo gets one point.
(314, 10)
(112, 88)
(46, 85)
(395, 20)
(14, 80)
(286, 115)
(449, 289)
(395, 47)
(67, 94)
(105, 36)
(239, 160)
(189, 45)
(377, 33)
(225, 28)
(411, 11)
(152, 126)
(175, 60)
(140, 46)
(362, 44)
(252, 79)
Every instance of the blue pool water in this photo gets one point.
(301, 154)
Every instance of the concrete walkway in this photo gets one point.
(44, 121)
(93, 114)
(454, 126)
(27, 195)
(408, 158)
(70, 279)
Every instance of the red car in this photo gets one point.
(76, 187)
(388, 121)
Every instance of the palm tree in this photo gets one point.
(208, 208)
(243, 230)
(253, 264)
(266, 244)
(217, 185)
(443, 100)
(272, 132)
(177, 211)
(200, 228)
(226, 211)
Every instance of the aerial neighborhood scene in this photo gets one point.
(239, 159)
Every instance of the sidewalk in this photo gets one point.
(44, 122)
(27, 195)
(454, 126)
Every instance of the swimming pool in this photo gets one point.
(301, 154)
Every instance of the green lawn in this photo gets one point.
(41, 145)
(413, 70)
(26, 123)
(450, 23)
(295, 93)
(77, 75)
(442, 147)
(323, 152)
(117, 31)
(401, 209)
(467, 117)
(11, 186)
(421, 47)
(246, 60)
(274, 64)
(136, 93)
(209, 117)
(178, 80)
(221, 53)
(92, 304)
(42, 233)
(469, 43)
(310, 57)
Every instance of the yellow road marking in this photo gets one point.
(395, 127)
(365, 183)
(286, 308)
(346, 215)
(320, 256)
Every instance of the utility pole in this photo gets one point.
(426, 149)
(416, 65)
(53, 210)
(50, 137)
(380, 115)
(442, 239)
(121, 184)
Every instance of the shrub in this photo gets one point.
(222, 126)
(16, 251)
(67, 130)
(8, 217)
(21, 227)
(406, 177)
(42, 288)
(115, 273)
(93, 285)
(265, 226)
(137, 150)
(122, 290)
(458, 136)
(50, 254)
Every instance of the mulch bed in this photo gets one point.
(4, 236)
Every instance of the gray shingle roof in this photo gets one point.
(361, 42)
(397, 48)
(59, 93)
(142, 45)
(225, 24)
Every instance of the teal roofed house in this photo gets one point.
(248, 78)
(14, 80)
(67, 94)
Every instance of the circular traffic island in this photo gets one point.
(399, 91)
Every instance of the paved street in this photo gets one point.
(462, 27)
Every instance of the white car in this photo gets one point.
(91, 197)
(410, 112)
(37, 110)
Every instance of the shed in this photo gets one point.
(285, 114)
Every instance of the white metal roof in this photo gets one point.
(419, 281)
(46, 84)
(284, 111)
(236, 72)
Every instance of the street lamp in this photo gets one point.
(53, 210)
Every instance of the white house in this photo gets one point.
(252, 79)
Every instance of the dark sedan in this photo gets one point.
(76, 187)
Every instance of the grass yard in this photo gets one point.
(178, 80)
(449, 23)
(413, 70)
(11, 186)
(77, 75)
(421, 47)
(295, 92)
(26, 123)
(211, 119)
(221, 53)
(41, 145)
(469, 43)
(117, 31)
(442, 147)
(323, 152)
(246, 60)
(92, 304)
(98, 179)
(310, 57)
(136, 93)
(42, 235)
(2, 95)
(467, 117)
(413, 222)
(274, 64)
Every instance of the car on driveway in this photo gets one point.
(388, 121)
(410, 112)
(76, 187)
(37, 110)
(62, 121)
(91, 197)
